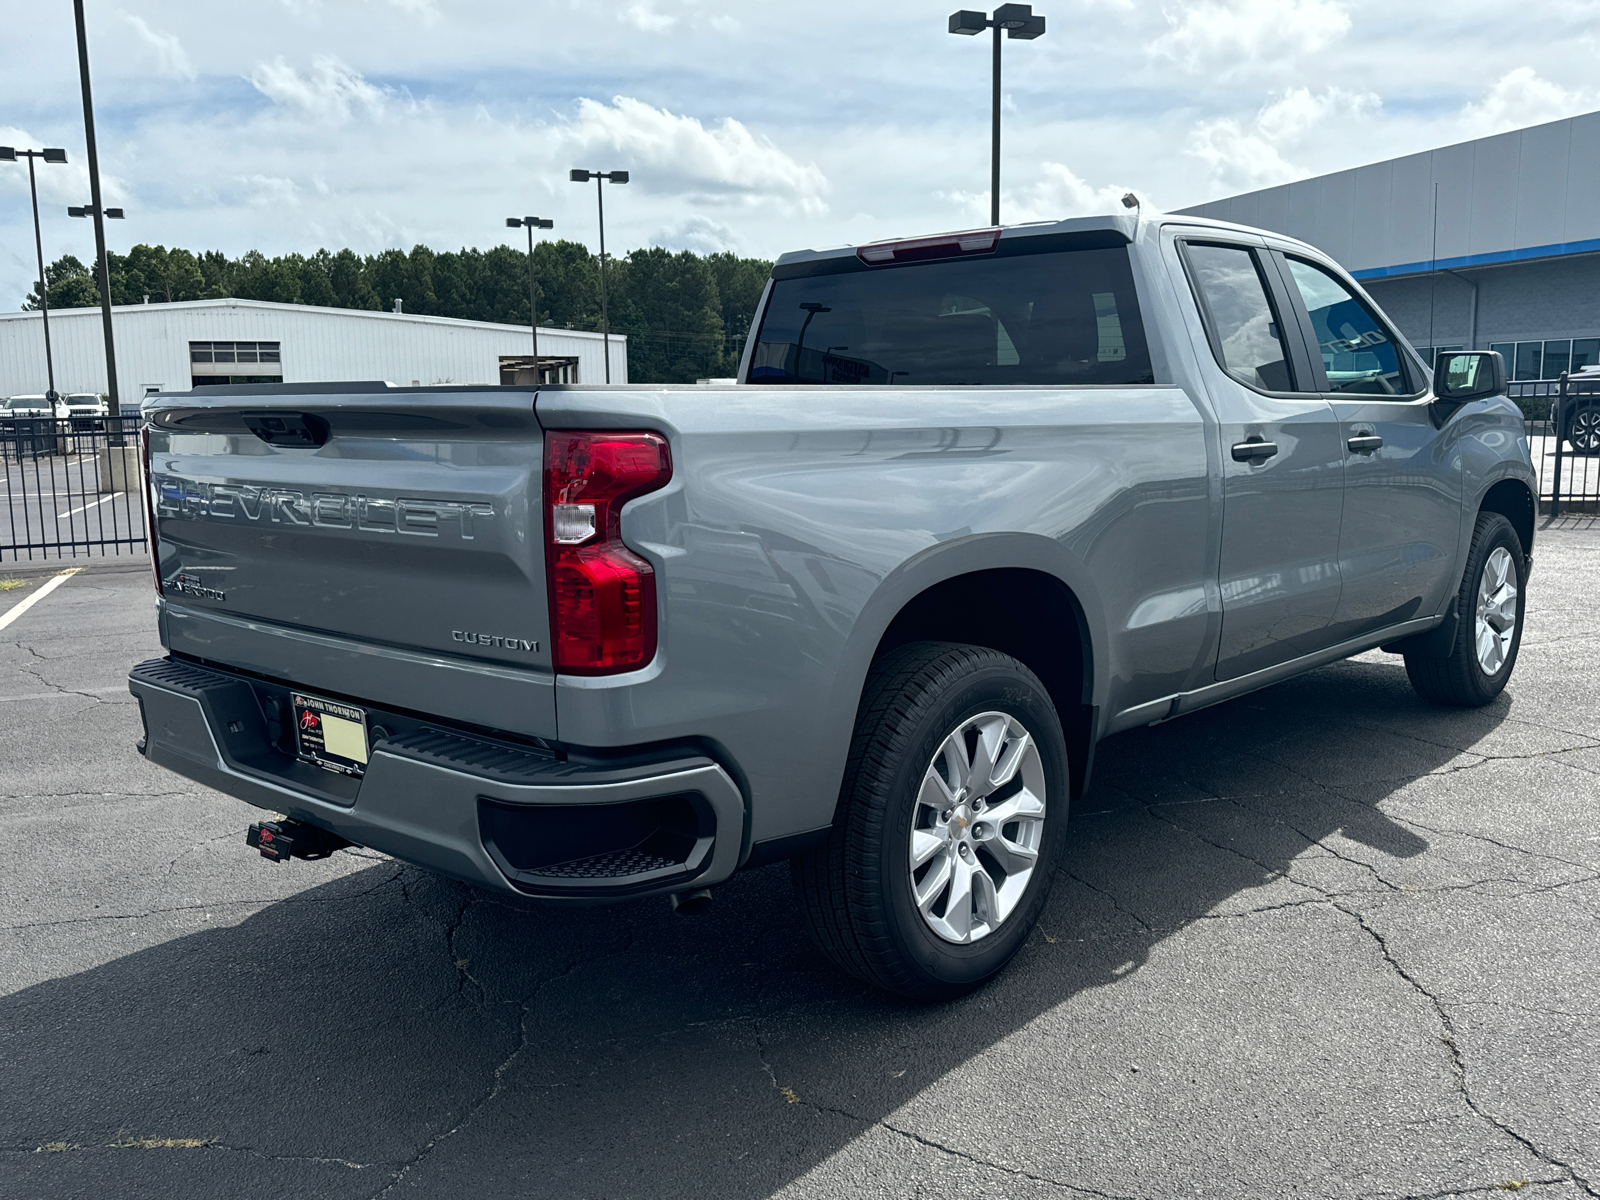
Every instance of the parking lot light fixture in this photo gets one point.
(532, 223)
(579, 175)
(1021, 23)
(51, 155)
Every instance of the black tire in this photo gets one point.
(856, 888)
(1460, 679)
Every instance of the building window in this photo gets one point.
(234, 352)
(215, 363)
(1527, 361)
(519, 369)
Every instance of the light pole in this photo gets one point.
(581, 176)
(532, 223)
(1019, 21)
(114, 406)
(8, 154)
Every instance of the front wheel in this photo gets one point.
(949, 823)
(1585, 432)
(1489, 612)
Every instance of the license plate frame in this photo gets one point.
(331, 734)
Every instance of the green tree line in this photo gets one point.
(685, 314)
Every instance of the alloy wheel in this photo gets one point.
(978, 827)
(1585, 434)
(1497, 610)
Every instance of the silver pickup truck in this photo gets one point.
(977, 502)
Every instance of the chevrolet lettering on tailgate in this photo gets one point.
(415, 515)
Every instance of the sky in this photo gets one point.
(289, 125)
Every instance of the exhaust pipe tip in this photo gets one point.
(688, 904)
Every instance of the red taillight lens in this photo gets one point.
(602, 594)
(149, 506)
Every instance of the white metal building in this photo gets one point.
(172, 347)
(1489, 243)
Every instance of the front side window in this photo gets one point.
(1245, 329)
(1358, 353)
(1051, 318)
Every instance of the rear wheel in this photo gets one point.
(949, 823)
(1489, 612)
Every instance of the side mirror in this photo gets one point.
(1460, 376)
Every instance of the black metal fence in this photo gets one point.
(70, 488)
(1566, 445)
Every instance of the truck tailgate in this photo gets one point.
(398, 561)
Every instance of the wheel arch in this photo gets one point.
(1513, 499)
(1017, 611)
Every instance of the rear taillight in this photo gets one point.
(149, 506)
(602, 594)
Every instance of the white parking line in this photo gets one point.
(11, 614)
(95, 504)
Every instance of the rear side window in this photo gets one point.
(1245, 332)
(1061, 317)
(1357, 351)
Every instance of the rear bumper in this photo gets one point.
(480, 810)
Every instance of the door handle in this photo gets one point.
(1365, 444)
(1254, 450)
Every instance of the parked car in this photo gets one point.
(978, 501)
(1577, 411)
(86, 410)
(28, 408)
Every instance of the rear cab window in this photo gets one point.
(1244, 327)
(1046, 316)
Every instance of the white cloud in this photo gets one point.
(1055, 194)
(271, 191)
(645, 17)
(1243, 157)
(726, 163)
(428, 10)
(1522, 97)
(171, 58)
(1229, 37)
(59, 183)
(330, 91)
(700, 234)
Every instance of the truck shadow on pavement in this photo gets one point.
(395, 1031)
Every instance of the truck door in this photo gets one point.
(1282, 461)
(1402, 494)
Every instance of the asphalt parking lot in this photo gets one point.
(1323, 941)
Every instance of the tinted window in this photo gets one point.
(1357, 351)
(1248, 338)
(1057, 318)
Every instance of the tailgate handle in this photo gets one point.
(287, 428)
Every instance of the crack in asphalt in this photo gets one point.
(78, 1148)
(524, 1007)
(1458, 1060)
(1448, 1039)
(207, 905)
(56, 687)
(790, 1097)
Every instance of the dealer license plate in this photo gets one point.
(330, 734)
